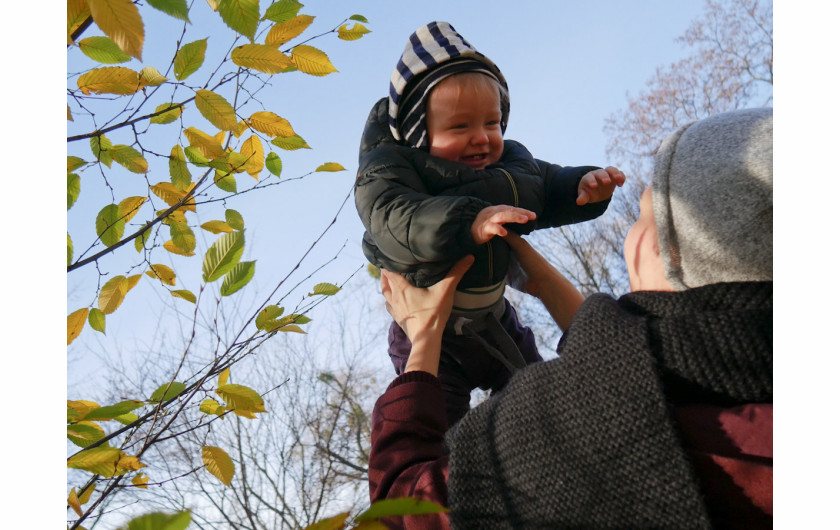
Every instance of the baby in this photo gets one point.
(437, 181)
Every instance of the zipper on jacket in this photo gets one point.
(512, 187)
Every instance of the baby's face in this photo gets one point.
(463, 119)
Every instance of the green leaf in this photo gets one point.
(241, 15)
(140, 241)
(282, 10)
(179, 173)
(69, 250)
(130, 158)
(96, 319)
(274, 164)
(103, 50)
(401, 506)
(218, 463)
(127, 419)
(331, 166)
(74, 187)
(225, 181)
(110, 224)
(216, 110)
(359, 18)
(182, 236)
(84, 433)
(185, 294)
(173, 8)
(112, 411)
(326, 289)
(223, 255)
(238, 277)
(195, 157)
(189, 58)
(234, 219)
(266, 317)
(100, 145)
(291, 143)
(169, 116)
(74, 163)
(167, 391)
(160, 521)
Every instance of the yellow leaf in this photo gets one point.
(77, 13)
(140, 480)
(312, 61)
(241, 127)
(241, 397)
(173, 248)
(330, 166)
(84, 495)
(271, 124)
(74, 503)
(214, 4)
(172, 195)
(112, 294)
(291, 327)
(216, 109)
(184, 294)
(110, 80)
(76, 323)
(220, 137)
(149, 76)
(261, 58)
(77, 410)
(130, 158)
(211, 406)
(129, 463)
(345, 32)
(69, 114)
(120, 20)
(223, 377)
(209, 146)
(130, 206)
(252, 149)
(286, 31)
(217, 227)
(132, 281)
(218, 463)
(333, 523)
(162, 273)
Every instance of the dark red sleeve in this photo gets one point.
(732, 453)
(407, 457)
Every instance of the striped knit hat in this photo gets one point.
(433, 52)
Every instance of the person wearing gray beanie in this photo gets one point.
(658, 412)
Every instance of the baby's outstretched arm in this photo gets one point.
(598, 185)
(489, 221)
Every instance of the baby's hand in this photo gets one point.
(598, 185)
(489, 221)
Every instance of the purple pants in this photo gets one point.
(465, 364)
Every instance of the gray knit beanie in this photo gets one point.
(434, 52)
(713, 199)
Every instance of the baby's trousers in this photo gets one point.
(465, 363)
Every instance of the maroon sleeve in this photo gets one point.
(731, 450)
(407, 457)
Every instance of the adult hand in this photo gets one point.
(423, 312)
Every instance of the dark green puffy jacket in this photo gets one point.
(417, 209)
